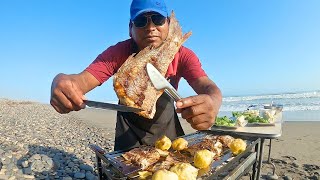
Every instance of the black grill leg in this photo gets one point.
(99, 165)
(269, 159)
(254, 167)
(260, 158)
(269, 155)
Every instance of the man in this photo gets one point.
(148, 25)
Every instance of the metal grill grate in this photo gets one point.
(114, 167)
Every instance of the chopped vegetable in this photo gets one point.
(252, 116)
(225, 121)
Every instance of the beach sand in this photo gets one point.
(296, 153)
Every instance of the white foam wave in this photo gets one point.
(314, 94)
(290, 101)
(285, 108)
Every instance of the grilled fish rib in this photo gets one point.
(172, 159)
(131, 82)
(143, 156)
(212, 143)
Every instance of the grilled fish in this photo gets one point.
(143, 156)
(131, 82)
(172, 159)
(212, 143)
(226, 140)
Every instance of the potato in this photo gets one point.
(164, 174)
(204, 171)
(164, 143)
(162, 153)
(179, 144)
(144, 174)
(203, 158)
(237, 146)
(185, 171)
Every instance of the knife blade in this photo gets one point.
(160, 83)
(117, 107)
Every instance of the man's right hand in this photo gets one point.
(66, 94)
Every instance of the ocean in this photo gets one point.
(302, 106)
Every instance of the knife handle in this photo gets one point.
(173, 94)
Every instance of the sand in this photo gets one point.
(296, 153)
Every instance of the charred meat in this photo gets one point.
(143, 156)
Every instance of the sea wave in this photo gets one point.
(313, 94)
(285, 108)
(291, 101)
(303, 101)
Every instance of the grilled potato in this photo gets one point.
(164, 174)
(162, 153)
(203, 158)
(204, 171)
(144, 174)
(237, 146)
(185, 171)
(164, 143)
(179, 144)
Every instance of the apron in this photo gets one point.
(133, 130)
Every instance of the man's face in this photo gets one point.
(154, 32)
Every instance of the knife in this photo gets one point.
(160, 83)
(117, 107)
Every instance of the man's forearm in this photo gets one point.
(86, 81)
(204, 85)
(214, 92)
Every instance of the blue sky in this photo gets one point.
(246, 47)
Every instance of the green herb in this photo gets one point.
(236, 114)
(224, 121)
(250, 116)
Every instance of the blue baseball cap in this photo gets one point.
(142, 6)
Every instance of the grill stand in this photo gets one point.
(278, 108)
(260, 158)
(246, 162)
(99, 157)
(271, 176)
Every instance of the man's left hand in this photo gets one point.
(200, 111)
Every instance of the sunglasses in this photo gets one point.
(143, 20)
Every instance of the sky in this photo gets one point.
(246, 47)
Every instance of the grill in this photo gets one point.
(111, 165)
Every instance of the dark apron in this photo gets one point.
(133, 130)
